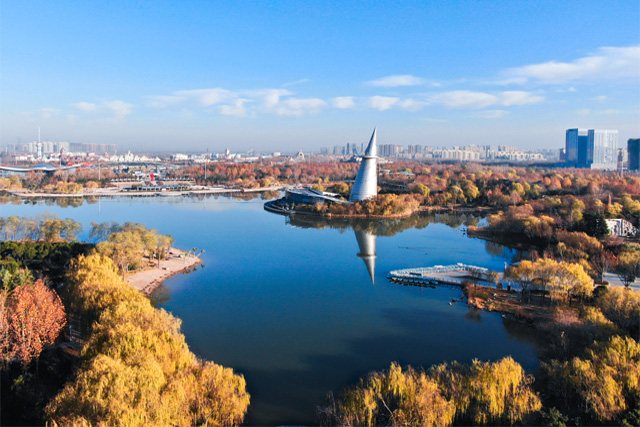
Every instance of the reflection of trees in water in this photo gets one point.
(524, 332)
(245, 196)
(381, 226)
(160, 296)
(270, 195)
(65, 202)
(494, 248)
(474, 314)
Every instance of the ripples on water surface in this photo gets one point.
(291, 304)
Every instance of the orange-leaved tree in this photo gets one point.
(34, 318)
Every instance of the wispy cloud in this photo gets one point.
(299, 107)
(297, 82)
(87, 107)
(491, 114)
(119, 108)
(397, 80)
(601, 98)
(236, 109)
(605, 64)
(477, 100)
(164, 101)
(343, 102)
(207, 97)
(412, 105)
(465, 99)
(382, 103)
(518, 97)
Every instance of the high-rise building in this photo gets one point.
(602, 149)
(576, 144)
(366, 185)
(592, 148)
(633, 151)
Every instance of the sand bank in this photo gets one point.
(148, 280)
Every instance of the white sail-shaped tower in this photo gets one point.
(366, 185)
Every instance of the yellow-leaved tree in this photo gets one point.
(605, 383)
(137, 369)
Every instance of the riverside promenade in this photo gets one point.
(176, 262)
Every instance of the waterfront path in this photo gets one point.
(177, 261)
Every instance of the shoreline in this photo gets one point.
(116, 192)
(147, 281)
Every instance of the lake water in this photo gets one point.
(301, 306)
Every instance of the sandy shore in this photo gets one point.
(148, 280)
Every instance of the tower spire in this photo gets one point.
(366, 185)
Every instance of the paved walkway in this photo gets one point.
(146, 281)
(614, 280)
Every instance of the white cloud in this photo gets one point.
(584, 112)
(164, 101)
(412, 105)
(270, 97)
(208, 97)
(297, 82)
(119, 108)
(518, 97)
(47, 113)
(299, 107)
(607, 63)
(382, 103)
(491, 114)
(85, 106)
(600, 98)
(397, 80)
(465, 99)
(236, 109)
(343, 102)
(478, 100)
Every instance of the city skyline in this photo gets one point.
(162, 76)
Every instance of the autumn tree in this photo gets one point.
(34, 316)
(137, 369)
(476, 394)
(627, 267)
(559, 277)
(395, 397)
(604, 383)
(488, 392)
(622, 307)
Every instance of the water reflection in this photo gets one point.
(367, 245)
(366, 230)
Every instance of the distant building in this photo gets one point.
(592, 148)
(576, 146)
(633, 151)
(621, 228)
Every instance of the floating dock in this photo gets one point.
(455, 275)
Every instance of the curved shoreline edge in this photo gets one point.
(147, 281)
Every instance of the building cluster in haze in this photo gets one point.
(598, 149)
(469, 153)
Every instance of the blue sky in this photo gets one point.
(289, 75)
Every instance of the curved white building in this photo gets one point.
(366, 185)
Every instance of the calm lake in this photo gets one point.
(301, 306)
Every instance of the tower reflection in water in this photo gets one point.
(367, 245)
